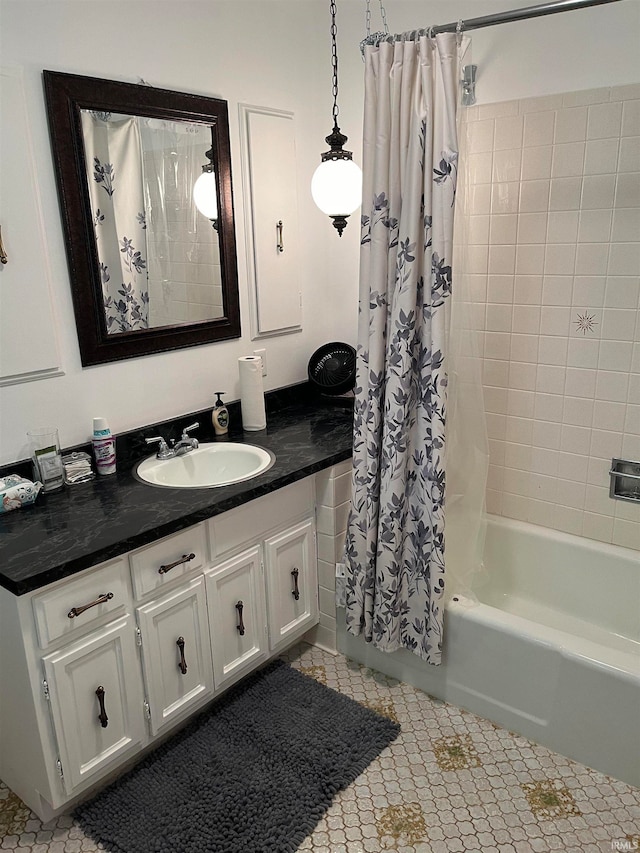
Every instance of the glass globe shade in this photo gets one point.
(205, 195)
(336, 187)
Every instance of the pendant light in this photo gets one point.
(336, 185)
(205, 193)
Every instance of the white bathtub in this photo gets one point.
(550, 650)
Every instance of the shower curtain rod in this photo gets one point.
(551, 8)
(518, 15)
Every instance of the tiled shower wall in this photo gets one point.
(186, 286)
(333, 499)
(554, 263)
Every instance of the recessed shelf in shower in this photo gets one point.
(624, 480)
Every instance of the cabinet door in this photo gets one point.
(292, 583)
(28, 343)
(92, 734)
(235, 597)
(176, 654)
(272, 219)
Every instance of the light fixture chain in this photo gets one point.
(334, 61)
(368, 18)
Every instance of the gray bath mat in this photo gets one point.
(254, 774)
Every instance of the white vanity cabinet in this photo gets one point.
(95, 667)
(89, 672)
(283, 533)
(71, 697)
(172, 625)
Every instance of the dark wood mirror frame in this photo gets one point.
(66, 95)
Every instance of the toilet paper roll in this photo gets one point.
(251, 393)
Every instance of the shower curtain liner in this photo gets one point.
(394, 552)
(114, 167)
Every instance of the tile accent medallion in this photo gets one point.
(502, 793)
(404, 824)
(456, 753)
(317, 672)
(13, 814)
(384, 707)
(550, 799)
(585, 322)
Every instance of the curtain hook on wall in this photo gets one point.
(469, 85)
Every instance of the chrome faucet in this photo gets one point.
(186, 443)
(178, 448)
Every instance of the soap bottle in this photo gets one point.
(104, 447)
(220, 416)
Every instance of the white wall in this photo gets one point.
(242, 51)
(273, 53)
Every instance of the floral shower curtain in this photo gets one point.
(114, 164)
(394, 555)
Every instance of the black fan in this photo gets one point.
(332, 368)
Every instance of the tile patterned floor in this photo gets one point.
(450, 782)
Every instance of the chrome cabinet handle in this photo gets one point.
(102, 716)
(279, 243)
(184, 559)
(76, 611)
(182, 665)
(240, 625)
(295, 592)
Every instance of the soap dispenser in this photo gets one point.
(220, 416)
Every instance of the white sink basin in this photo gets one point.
(208, 466)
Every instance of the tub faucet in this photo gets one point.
(178, 448)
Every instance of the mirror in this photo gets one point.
(149, 271)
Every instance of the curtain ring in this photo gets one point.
(459, 29)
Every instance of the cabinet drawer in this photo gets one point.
(70, 608)
(169, 559)
(251, 521)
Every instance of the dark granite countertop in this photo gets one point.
(84, 525)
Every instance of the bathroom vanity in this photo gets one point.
(101, 663)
